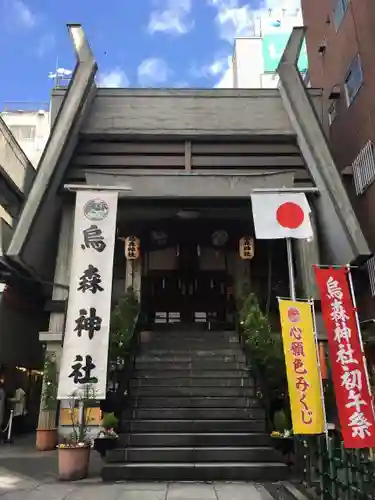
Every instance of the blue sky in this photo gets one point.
(150, 43)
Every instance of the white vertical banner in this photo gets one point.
(85, 351)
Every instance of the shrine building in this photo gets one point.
(184, 163)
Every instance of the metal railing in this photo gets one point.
(337, 473)
(364, 168)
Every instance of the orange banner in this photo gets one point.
(302, 367)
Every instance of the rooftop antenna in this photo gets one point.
(54, 75)
(60, 75)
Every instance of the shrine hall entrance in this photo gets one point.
(186, 278)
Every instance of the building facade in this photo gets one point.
(340, 39)
(255, 58)
(184, 173)
(30, 127)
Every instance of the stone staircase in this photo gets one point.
(194, 415)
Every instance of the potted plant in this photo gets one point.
(107, 438)
(74, 452)
(46, 433)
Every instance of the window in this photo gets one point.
(339, 11)
(332, 112)
(364, 171)
(353, 80)
(371, 274)
(23, 132)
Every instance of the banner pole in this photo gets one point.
(312, 305)
(292, 285)
(351, 288)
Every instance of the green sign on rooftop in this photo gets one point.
(273, 46)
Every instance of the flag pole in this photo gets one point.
(312, 305)
(351, 288)
(292, 284)
(356, 315)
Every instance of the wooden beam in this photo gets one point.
(247, 161)
(188, 156)
(197, 161)
(141, 148)
(243, 149)
(76, 172)
(129, 161)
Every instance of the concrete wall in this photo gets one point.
(187, 112)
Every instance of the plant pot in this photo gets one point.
(102, 445)
(46, 439)
(73, 463)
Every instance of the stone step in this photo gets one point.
(189, 343)
(209, 364)
(192, 355)
(172, 373)
(193, 391)
(197, 426)
(193, 454)
(243, 471)
(198, 413)
(193, 382)
(190, 334)
(195, 440)
(194, 402)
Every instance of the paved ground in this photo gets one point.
(28, 475)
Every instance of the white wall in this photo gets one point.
(248, 66)
(31, 130)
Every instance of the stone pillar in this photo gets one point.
(54, 337)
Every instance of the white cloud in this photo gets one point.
(226, 75)
(23, 14)
(45, 44)
(113, 79)
(153, 71)
(219, 68)
(172, 17)
(235, 18)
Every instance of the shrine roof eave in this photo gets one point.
(38, 220)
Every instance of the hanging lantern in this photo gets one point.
(247, 247)
(132, 247)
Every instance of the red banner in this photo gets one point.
(353, 398)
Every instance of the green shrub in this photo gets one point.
(110, 421)
(123, 320)
(264, 344)
(280, 421)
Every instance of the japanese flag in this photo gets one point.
(281, 215)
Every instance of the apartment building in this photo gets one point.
(255, 58)
(30, 126)
(340, 43)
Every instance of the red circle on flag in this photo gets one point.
(290, 215)
(294, 315)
